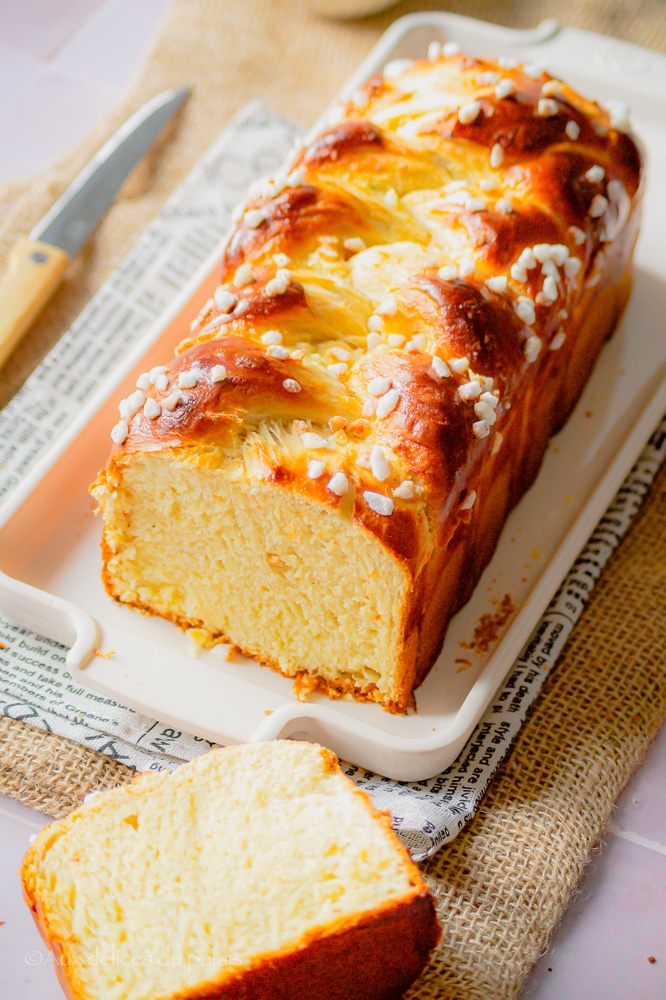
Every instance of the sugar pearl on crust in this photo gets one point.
(295, 178)
(467, 268)
(281, 260)
(379, 385)
(152, 409)
(417, 343)
(572, 266)
(387, 307)
(271, 337)
(559, 253)
(547, 107)
(315, 468)
(595, 174)
(505, 88)
(187, 380)
(558, 340)
(314, 441)
(525, 310)
(598, 206)
(518, 273)
(379, 503)
(468, 113)
(143, 381)
(542, 252)
(448, 272)
(341, 353)
(496, 156)
(405, 491)
(572, 130)
(469, 501)
(533, 71)
(459, 365)
(619, 113)
(162, 382)
(354, 243)
(337, 369)
(480, 429)
(277, 351)
(532, 348)
(291, 385)
(224, 299)
(375, 323)
(243, 276)
(119, 432)
(254, 217)
(475, 205)
(616, 189)
(381, 469)
(527, 259)
(387, 403)
(497, 442)
(135, 401)
(279, 284)
(551, 88)
(498, 283)
(440, 367)
(172, 400)
(339, 484)
(485, 412)
(469, 390)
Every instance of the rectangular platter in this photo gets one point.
(49, 539)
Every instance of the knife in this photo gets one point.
(37, 262)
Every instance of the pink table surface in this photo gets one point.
(62, 66)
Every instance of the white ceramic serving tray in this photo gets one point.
(49, 540)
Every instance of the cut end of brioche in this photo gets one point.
(256, 871)
(296, 585)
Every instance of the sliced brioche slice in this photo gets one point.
(257, 871)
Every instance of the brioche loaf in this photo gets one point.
(405, 318)
(256, 872)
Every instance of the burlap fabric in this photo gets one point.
(503, 884)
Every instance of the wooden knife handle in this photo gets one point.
(33, 273)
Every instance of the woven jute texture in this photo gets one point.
(502, 886)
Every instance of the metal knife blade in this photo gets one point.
(74, 217)
(36, 263)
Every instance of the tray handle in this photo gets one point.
(56, 618)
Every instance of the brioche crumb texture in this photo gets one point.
(250, 857)
(270, 570)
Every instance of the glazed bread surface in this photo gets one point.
(257, 871)
(405, 317)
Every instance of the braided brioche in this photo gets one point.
(322, 473)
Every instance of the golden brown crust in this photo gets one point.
(408, 182)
